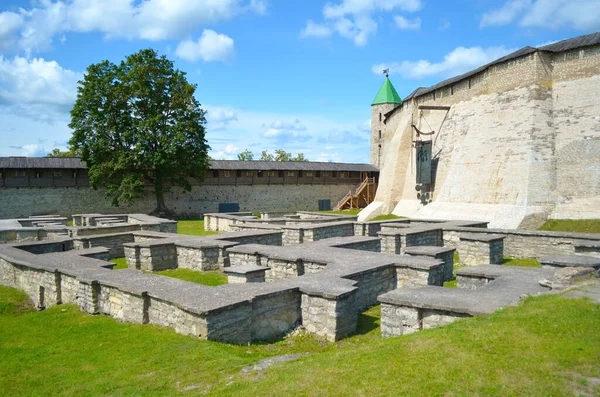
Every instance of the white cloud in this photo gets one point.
(10, 23)
(230, 148)
(31, 150)
(295, 125)
(505, 14)
(36, 86)
(357, 7)
(354, 19)
(304, 133)
(211, 46)
(576, 14)
(456, 62)
(364, 127)
(219, 117)
(407, 24)
(148, 19)
(313, 29)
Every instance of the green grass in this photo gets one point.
(69, 222)
(524, 262)
(212, 278)
(386, 217)
(193, 228)
(120, 262)
(546, 346)
(572, 225)
(354, 211)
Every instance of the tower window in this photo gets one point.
(379, 134)
(380, 117)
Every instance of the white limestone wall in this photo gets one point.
(496, 163)
(520, 143)
(394, 173)
(577, 124)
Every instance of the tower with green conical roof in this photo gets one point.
(386, 99)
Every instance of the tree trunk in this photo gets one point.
(161, 209)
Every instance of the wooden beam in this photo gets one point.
(427, 107)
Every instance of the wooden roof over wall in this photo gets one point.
(76, 163)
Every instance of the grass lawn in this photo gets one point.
(546, 346)
(120, 262)
(354, 211)
(194, 228)
(386, 217)
(572, 225)
(212, 278)
(524, 262)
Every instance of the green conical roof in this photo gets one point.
(387, 94)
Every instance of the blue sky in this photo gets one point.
(297, 75)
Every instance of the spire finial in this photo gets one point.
(386, 72)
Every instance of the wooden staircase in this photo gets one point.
(362, 196)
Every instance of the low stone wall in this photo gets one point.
(22, 234)
(442, 253)
(395, 240)
(151, 257)
(281, 269)
(45, 247)
(524, 243)
(373, 283)
(298, 234)
(482, 290)
(477, 249)
(330, 318)
(114, 242)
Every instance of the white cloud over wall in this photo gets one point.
(458, 61)
(576, 14)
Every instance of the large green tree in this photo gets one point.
(136, 124)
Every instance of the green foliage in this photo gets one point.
(551, 349)
(56, 152)
(212, 278)
(280, 155)
(246, 155)
(193, 228)
(139, 122)
(572, 225)
(266, 156)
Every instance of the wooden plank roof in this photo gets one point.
(76, 163)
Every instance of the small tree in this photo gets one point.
(136, 123)
(246, 155)
(56, 152)
(266, 156)
(280, 155)
(299, 157)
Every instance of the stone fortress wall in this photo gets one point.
(201, 199)
(321, 281)
(520, 141)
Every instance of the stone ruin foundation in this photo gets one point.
(284, 269)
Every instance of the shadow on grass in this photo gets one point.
(368, 321)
